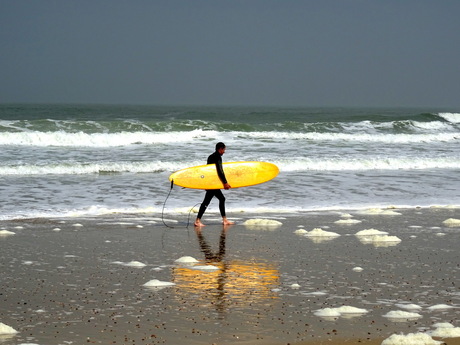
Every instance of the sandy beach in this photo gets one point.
(351, 277)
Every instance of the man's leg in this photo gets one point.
(204, 205)
(219, 195)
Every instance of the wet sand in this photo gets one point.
(75, 281)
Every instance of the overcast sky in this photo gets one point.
(248, 52)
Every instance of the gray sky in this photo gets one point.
(248, 52)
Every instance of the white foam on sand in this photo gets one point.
(6, 233)
(380, 240)
(439, 307)
(347, 221)
(261, 221)
(399, 315)
(343, 311)
(327, 312)
(385, 238)
(452, 222)
(445, 330)
(262, 224)
(371, 232)
(346, 215)
(205, 268)
(443, 325)
(410, 306)
(315, 293)
(378, 211)
(136, 264)
(300, 232)
(5, 329)
(318, 232)
(340, 311)
(410, 339)
(186, 260)
(351, 310)
(357, 269)
(191, 261)
(155, 283)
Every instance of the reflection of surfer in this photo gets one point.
(209, 255)
(215, 158)
(222, 301)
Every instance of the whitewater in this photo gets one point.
(61, 160)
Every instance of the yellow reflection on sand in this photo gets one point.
(230, 283)
(235, 278)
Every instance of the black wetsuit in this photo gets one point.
(215, 158)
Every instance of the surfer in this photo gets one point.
(215, 158)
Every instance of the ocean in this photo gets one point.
(91, 160)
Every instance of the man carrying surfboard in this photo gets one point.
(215, 158)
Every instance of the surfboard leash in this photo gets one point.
(164, 205)
(190, 212)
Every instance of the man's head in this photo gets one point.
(220, 147)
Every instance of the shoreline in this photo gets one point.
(71, 279)
(179, 212)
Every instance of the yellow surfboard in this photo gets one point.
(238, 174)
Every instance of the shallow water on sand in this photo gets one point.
(70, 280)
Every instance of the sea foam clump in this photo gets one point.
(344, 311)
(347, 221)
(399, 315)
(379, 211)
(136, 264)
(6, 233)
(410, 339)
(327, 312)
(5, 329)
(451, 222)
(410, 306)
(262, 224)
(385, 238)
(371, 232)
(346, 215)
(300, 232)
(376, 238)
(439, 307)
(155, 283)
(205, 268)
(186, 260)
(445, 330)
(317, 232)
(351, 310)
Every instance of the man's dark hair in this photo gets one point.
(220, 146)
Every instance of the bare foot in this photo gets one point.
(225, 221)
(199, 223)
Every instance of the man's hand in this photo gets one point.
(227, 186)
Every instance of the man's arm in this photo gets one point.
(221, 174)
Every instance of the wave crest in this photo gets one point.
(451, 117)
